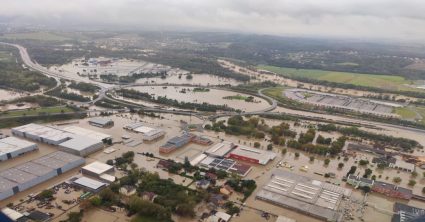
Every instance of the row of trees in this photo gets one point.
(134, 94)
(398, 142)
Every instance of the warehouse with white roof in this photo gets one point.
(148, 133)
(220, 149)
(27, 175)
(71, 139)
(86, 132)
(89, 184)
(40, 133)
(100, 171)
(11, 147)
(81, 145)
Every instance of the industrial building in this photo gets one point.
(88, 184)
(148, 133)
(303, 194)
(87, 133)
(100, 171)
(11, 147)
(227, 165)
(40, 133)
(27, 175)
(71, 139)
(392, 190)
(220, 149)
(101, 122)
(180, 141)
(252, 155)
(81, 145)
(403, 165)
(406, 213)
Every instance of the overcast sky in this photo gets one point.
(398, 19)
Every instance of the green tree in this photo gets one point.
(340, 165)
(270, 147)
(297, 154)
(257, 144)
(327, 161)
(311, 158)
(397, 180)
(412, 183)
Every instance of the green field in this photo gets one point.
(36, 111)
(370, 80)
(46, 36)
(6, 57)
(405, 113)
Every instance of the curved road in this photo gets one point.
(104, 88)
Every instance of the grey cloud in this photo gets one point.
(342, 18)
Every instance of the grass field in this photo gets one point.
(275, 92)
(36, 111)
(405, 113)
(5, 56)
(370, 80)
(46, 36)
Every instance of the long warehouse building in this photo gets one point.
(71, 139)
(11, 147)
(27, 175)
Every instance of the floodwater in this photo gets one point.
(214, 96)
(9, 95)
(172, 124)
(197, 79)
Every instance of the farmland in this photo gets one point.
(369, 80)
(44, 36)
(36, 111)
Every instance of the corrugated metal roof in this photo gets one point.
(90, 183)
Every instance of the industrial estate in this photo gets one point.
(119, 126)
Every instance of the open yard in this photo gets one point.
(370, 80)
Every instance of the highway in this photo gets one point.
(408, 132)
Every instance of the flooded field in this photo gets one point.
(214, 96)
(10, 95)
(197, 79)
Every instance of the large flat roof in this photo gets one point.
(13, 144)
(35, 169)
(47, 132)
(17, 176)
(148, 131)
(90, 183)
(79, 143)
(65, 157)
(263, 156)
(86, 132)
(98, 167)
(220, 149)
(16, 142)
(100, 120)
(304, 194)
(6, 184)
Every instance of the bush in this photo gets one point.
(340, 165)
(297, 154)
(257, 144)
(327, 161)
(363, 162)
(397, 180)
